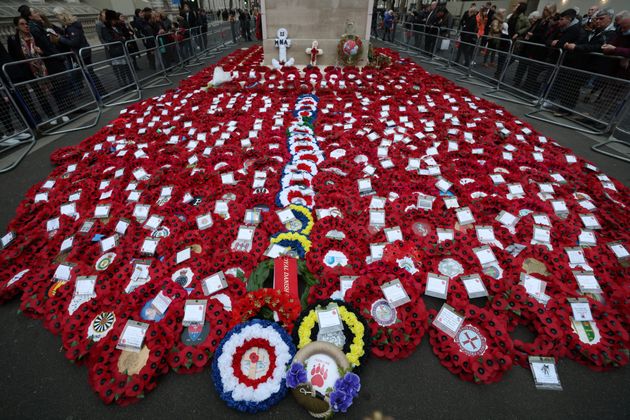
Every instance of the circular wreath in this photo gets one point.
(401, 334)
(481, 349)
(337, 398)
(601, 344)
(349, 50)
(265, 303)
(521, 309)
(355, 328)
(263, 348)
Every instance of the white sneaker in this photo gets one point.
(65, 119)
(22, 136)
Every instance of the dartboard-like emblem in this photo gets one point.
(471, 341)
(101, 325)
(103, 321)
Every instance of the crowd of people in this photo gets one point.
(535, 38)
(35, 48)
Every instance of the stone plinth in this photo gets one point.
(308, 20)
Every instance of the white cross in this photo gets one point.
(282, 42)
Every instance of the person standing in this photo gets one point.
(258, 20)
(388, 26)
(203, 22)
(47, 39)
(113, 35)
(233, 22)
(22, 46)
(568, 31)
(100, 26)
(468, 35)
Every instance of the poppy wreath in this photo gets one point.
(267, 304)
(480, 352)
(349, 50)
(521, 309)
(409, 322)
(124, 377)
(601, 344)
(355, 330)
(249, 366)
(193, 351)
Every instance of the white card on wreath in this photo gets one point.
(581, 309)
(437, 286)
(448, 320)
(214, 283)
(194, 312)
(395, 293)
(132, 336)
(161, 302)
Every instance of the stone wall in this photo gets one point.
(307, 20)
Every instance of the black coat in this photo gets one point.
(18, 72)
(54, 65)
(569, 35)
(5, 58)
(469, 24)
(73, 37)
(595, 63)
(110, 35)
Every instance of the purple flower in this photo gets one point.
(340, 401)
(350, 384)
(296, 375)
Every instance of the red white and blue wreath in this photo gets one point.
(249, 367)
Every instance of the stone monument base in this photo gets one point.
(321, 20)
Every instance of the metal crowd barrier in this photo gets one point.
(110, 70)
(15, 132)
(171, 56)
(592, 101)
(100, 77)
(529, 71)
(192, 47)
(148, 68)
(620, 136)
(50, 103)
(491, 74)
(530, 74)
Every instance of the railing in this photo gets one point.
(548, 79)
(108, 66)
(100, 77)
(17, 133)
(52, 102)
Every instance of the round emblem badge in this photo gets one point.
(101, 325)
(149, 313)
(161, 232)
(335, 258)
(421, 228)
(183, 277)
(195, 334)
(383, 313)
(470, 341)
(450, 268)
(255, 363)
(493, 271)
(105, 261)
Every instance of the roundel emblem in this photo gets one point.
(471, 341)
